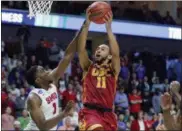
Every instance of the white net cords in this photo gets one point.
(39, 7)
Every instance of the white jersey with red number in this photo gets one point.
(49, 105)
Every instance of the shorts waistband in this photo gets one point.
(95, 107)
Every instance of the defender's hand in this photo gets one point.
(174, 88)
(108, 20)
(88, 15)
(69, 109)
(166, 101)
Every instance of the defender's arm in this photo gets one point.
(69, 54)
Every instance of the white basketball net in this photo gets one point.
(39, 7)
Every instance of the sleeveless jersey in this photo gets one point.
(49, 105)
(99, 86)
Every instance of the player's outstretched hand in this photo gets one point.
(174, 87)
(108, 20)
(69, 109)
(166, 101)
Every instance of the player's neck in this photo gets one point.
(45, 86)
(104, 63)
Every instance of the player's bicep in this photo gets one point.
(36, 113)
(116, 64)
(85, 62)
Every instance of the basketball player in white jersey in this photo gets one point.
(42, 102)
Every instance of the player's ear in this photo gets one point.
(37, 81)
(109, 57)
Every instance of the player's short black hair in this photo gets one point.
(31, 75)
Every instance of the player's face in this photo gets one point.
(101, 53)
(42, 75)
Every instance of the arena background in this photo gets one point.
(28, 42)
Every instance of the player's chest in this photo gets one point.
(101, 72)
(49, 97)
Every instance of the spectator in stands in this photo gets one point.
(11, 63)
(159, 121)
(79, 96)
(127, 116)
(157, 85)
(146, 84)
(42, 50)
(24, 119)
(17, 126)
(131, 118)
(134, 81)
(178, 70)
(140, 85)
(140, 70)
(147, 101)
(135, 101)
(15, 92)
(156, 101)
(139, 124)
(121, 100)
(62, 86)
(68, 95)
(74, 118)
(149, 122)
(166, 85)
(4, 97)
(8, 120)
(67, 125)
(9, 103)
(168, 19)
(121, 124)
(20, 102)
(154, 77)
(124, 73)
(24, 34)
(54, 51)
(2, 48)
(32, 61)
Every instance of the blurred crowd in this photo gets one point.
(143, 78)
(125, 10)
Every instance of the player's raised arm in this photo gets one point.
(69, 54)
(169, 121)
(85, 62)
(34, 107)
(114, 48)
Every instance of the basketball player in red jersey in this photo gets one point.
(99, 81)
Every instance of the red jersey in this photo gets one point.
(99, 86)
(134, 108)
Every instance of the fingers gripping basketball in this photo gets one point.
(98, 11)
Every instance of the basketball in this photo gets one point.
(98, 11)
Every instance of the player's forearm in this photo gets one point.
(83, 37)
(50, 123)
(177, 99)
(113, 43)
(69, 54)
(168, 120)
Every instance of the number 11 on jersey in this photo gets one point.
(101, 82)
